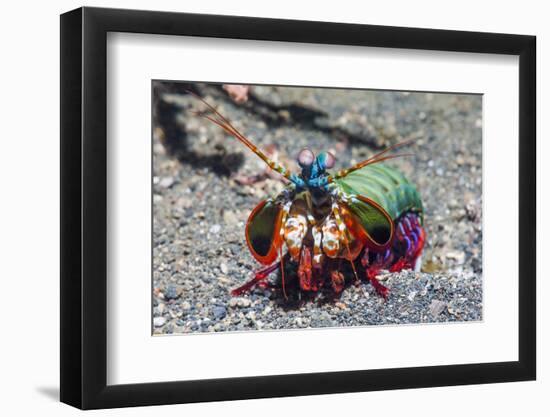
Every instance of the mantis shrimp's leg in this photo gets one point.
(337, 281)
(258, 277)
(372, 270)
(305, 274)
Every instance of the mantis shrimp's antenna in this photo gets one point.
(379, 157)
(218, 119)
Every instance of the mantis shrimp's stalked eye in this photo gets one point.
(306, 158)
(326, 160)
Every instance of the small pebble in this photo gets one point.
(166, 182)
(219, 312)
(457, 256)
(243, 302)
(159, 321)
(436, 307)
(215, 229)
(171, 293)
(230, 218)
(224, 280)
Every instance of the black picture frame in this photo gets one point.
(84, 207)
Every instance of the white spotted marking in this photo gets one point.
(295, 231)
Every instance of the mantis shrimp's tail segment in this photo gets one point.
(409, 242)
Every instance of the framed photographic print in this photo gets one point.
(283, 208)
